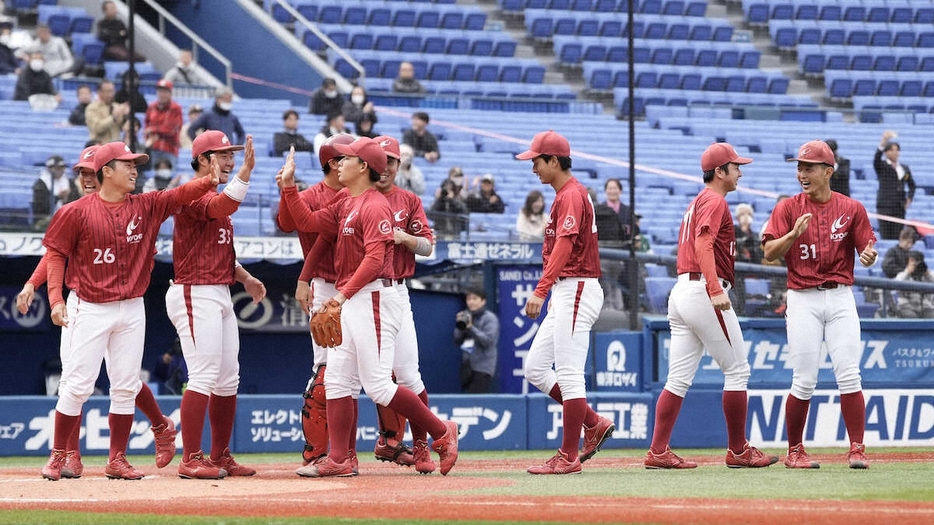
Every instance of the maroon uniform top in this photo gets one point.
(202, 247)
(408, 215)
(708, 212)
(363, 229)
(572, 216)
(316, 197)
(111, 249)
(825, 251)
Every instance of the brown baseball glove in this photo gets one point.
(326, 325)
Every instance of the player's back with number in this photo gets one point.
(707, 211)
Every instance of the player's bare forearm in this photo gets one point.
(775, 249)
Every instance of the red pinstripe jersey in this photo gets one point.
(110, 250)
(202, 247)
(572, 216)
(825, 251)
(408, 215)
(317, 197)
(708, 212)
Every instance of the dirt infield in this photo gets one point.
(387, 491)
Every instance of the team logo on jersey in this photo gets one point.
(835, 234)
(415, 226)
(349, 230)
(132, 237)
(399, 216)
(569, 222)
(385, 227)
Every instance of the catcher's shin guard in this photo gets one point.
(315, 418)
(391, 426)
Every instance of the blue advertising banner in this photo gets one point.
(618, 362)
(631, 413)
(36, 318)
(515, 285)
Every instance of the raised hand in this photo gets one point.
(286, 176)
(215, 170)
(249, 160)
(869, 254)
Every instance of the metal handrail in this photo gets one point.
(324, 38)
(197, 40)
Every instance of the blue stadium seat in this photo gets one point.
(487, 72)
(386, 42)
(679, 32)
(434, 45)
(782, 12)
(504, 48)
(595, 53)
(361, 41)
(307, 9)
(691, 82)
(701, 32)
(878, 14)
(612, 28)
(854, 13)
(735, 84)
(928, 89)
(714, 83)
(904, 39)
(723, 34)
(645, 79)
(809, 35)
(582, 5)
(464, 72)
(902, 15)
(706, 58)
(656, 30)
(428, 19)
(907, 63)
(864, 87)
(728, 58)
(887, 88)
(841, 88)
(510, 73)
(458, 46)
(758, 14)
(884, 63)
(696, 9)
(838, 61)
(910, 88)
(440, 70)
(81, 24)
(669, 81)
(650, 7)
(778, 86)
(404, 18)
(831, 12)
(482, 47)
(924, 15)
(617, 54)
(661, 55)
(354, 15)
(559, 5)
(380, 17)
(684, 56)
(882, 37)
(565, 26)
(861, 62)
(533, 74)
(588, 27)
(641, 55)
(750, 59)
(806, 12)
(925, 39)
(605, 6)
(600, 79)
(452, 20)
(927, 64)
(834, 37)
(858, 37)
(757, 84)
(786, 38)
(813, 63)
(413, 44)
(673, 7)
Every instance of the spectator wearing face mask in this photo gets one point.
(163, 178)
(34, 80)
(358, 106)
(409, 177)
(326, 100)
(220, 118)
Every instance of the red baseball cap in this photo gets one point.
(720, 153)
(389, 145)
(815, 152)
(116, 151)
(327, 152)
(86, 158)
(164, 84)
(212, 140)
(547, 143)
(368, 150)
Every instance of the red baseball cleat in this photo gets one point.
(423, 462)
(750, 458)
(558, 464)
(856, 456)
(326, 468)
(199, 467)
(165, 442)
(595, 437)
(666, 460)
(446, 447)
(226, 462)
(120, 468)
(73, 467)
(798, 458)
(400, 455)
(354, 462)
(53, 469)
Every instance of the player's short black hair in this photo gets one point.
(100, 172)
(564, 162)
(194, 161)
(374, 175)
(708, 175)
(474, 290)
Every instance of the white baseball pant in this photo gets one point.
(405, 364)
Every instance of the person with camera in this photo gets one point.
(476, 330)
(448, 213)
(911, 304)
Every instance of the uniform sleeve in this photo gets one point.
(56, 266)
(321, 221)
(418, 224)
(556, 261)
(284, 219)
(863, 232)
(40, 274)
(778, 224)
(314, 257)
(221, 205)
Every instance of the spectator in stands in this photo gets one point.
(422, 141)
(911, 304)
(34, 80)
(283, 140)
(220, 118)
(76, 117)
(163, 177)
(612, 193)
(485, 199)
(184, 73)
(113, 33)
(54, 49)
(891, 198)
(840, 180)
(194, 111)
(896, 258)
(476, 331)
(51, 191)
(406, 81)
(459, 188)
(326, 100)
(748, 248)
(448, 213)
(357, 106)
(364, 126)
(611, 234)
(410, 177)
(530, 222)
(129, 135)
(103, 116)
(163, 125)
(334, 126)
(8, 60)
(129, 92)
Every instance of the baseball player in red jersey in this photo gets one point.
(163, 428)
(817, 232)
(701, 316)
(412, 236)
(571, 271)
(199, 305)
(109, 239)
(362, 227)
(319, 269)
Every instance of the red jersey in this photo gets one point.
(825, 251)
(167, 124)
(358, 223)
(111, 250)
(708, 212)
(408, 215)
(202, 247)
(572, 216)
(317, 197)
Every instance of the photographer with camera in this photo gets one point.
(476, 330)
(915, 305)
(448, 213)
